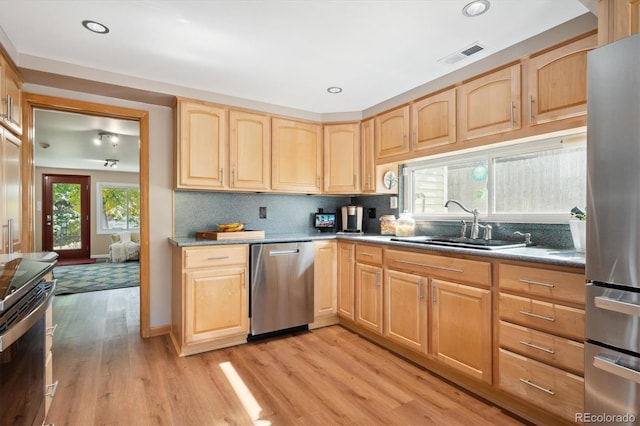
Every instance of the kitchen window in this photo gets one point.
(118, 207)
(537, 181)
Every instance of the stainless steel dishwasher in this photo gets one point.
(281, 287)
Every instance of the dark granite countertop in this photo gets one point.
(540, 254)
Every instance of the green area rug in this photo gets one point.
(95, 277)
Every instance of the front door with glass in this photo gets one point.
(65, 204)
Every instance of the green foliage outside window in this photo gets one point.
(66, 213)
(121, 207)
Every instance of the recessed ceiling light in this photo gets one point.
(334, 89)
(476, 8)
(95, 27)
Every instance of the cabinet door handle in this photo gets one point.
(426, 265)
(369, 181)
(355, 180)
(531, 108)
(51, 393)
(538, 283)
(233, 177)
(433, 293)
(51, 330)
(513, 114)
(542, 317)
(349, 256)
(540, 348)
(377, 279)
(221, 176)
(533, 385)
(420, 296)
(413, 139)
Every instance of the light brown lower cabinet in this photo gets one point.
(369, 297)
(49, 384)
(405, 309)
(541, 335)
(461, 328)
(325, 283)
(547, 387)
(210, 299)
(346, 280)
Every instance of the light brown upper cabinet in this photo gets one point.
(296, 162)
(367, 146)
(249, 151)
(557, 82)
(392, 133)
(617, 19)
(342, 158)
(489, 104)
(433, 121)
(11, 94)
(201, 155)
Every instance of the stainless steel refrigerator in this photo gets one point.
(612, 347)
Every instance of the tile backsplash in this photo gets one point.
(201, 211)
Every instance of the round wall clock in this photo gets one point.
(389, 179)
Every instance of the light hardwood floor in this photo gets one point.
(109, 375)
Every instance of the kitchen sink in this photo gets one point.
(462, 242)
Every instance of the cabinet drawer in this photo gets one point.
(368, 254)
(562, 286)
(545, 316)
(459, 270)
(200, 257)
(548, 387)
(558, 351)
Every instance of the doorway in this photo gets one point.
(33, 102)
(65, 215)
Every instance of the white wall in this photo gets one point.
(160, 194)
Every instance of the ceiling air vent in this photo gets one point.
(461, 54)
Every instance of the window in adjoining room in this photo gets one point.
(118, 207)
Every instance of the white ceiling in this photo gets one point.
(280, 52)
(67, 140)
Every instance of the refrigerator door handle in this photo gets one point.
(606, 364)
(614, 305)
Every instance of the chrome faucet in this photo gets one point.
(474, 212)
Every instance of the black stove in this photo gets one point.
(18, 277)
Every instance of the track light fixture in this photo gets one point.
(112, 138)
(111, 162)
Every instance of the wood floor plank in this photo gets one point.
(108, 375)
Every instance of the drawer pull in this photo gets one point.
(610, 366)
(540, 348)
(542, 317)
(617, 306)
(365, 254)
(538, 283)
(218, 258)
(533, 385)
(425, 265)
